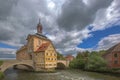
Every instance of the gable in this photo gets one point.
(115, 48)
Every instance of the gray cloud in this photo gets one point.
(5, 8)
(109, 41)
(107, 16)
(18, 18)
(76, 15)
(65, 25)
(8, 33)
(98, 4)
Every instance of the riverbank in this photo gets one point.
(1, 75)
(97, 74)
(106, 72)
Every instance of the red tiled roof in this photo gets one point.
(43, 47)
(69, 56)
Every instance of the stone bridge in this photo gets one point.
(65, 62)
(10, 63)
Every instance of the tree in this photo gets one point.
(82, 54)
(95, 62)
(89, 61)
(102, 52)
(60, 56)
(77, 64)
(80, 60)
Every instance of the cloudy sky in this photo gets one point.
(72, 25)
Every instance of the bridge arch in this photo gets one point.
(8, 64)
(61, 65)
(29, 67)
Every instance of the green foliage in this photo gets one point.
(115, 69)
(1, 75)
(89, 61)
(102, 52)
(1, 62)
(60, 56)
(80, 60)
(82, 54)
(95, 62)
(77, 64)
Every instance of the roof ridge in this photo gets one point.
(116, 47)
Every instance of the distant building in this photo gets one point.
(39, 49)
(69, 57)
(112, 56)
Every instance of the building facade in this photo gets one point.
(69, 57)
(40, 50)
(21, 54)
(112, 56)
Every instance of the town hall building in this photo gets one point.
(40, 50)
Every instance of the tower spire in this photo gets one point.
(39, 27)
(39, 21)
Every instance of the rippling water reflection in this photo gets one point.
(59, 75)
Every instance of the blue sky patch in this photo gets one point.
(3, 45)
(98, 35)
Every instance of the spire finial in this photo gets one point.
(39, 27)
(39, 21)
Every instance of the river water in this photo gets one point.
(12, 74)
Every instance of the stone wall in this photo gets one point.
(23, 55)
